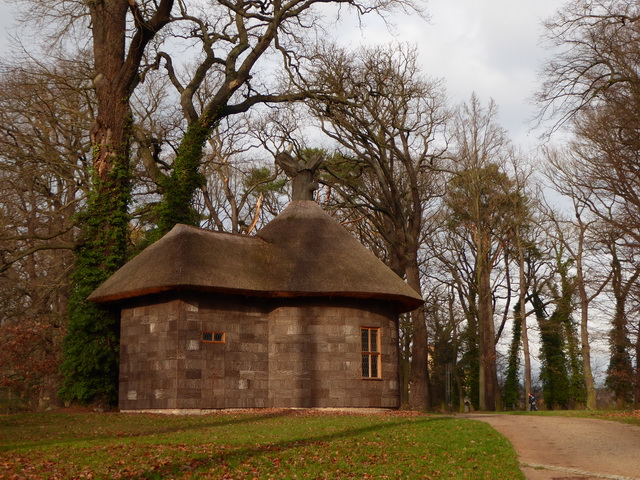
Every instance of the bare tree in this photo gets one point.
(241, 192)
(598, 171)
(252, 53)
(485, 206)
(575, 235)
(44, 122)
(597, 48)
(387, 128)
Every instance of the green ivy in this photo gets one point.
(470, 361)
(180, 187)
(620, 375)
(91, 347)
(511, 384)
(553, 373)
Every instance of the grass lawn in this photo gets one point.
(624, 416)
(254, 444)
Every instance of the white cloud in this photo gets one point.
(491, 47)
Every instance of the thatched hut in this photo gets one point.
(300, 315)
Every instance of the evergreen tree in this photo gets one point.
(576, 389)
(511, 384)
(554, 374)
(620, 371)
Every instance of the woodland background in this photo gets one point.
(131, 116)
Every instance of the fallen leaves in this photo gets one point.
(274, 445)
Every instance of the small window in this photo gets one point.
(213, 337)
(370, 352)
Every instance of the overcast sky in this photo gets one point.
(491, 47)
(6, 20)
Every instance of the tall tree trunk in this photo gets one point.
(419, 394)
(586, 360)
(91, 348)
(525, 351)
(523, 320)
(585, 349)
(584, 339)
(90, 365)
(488, 373)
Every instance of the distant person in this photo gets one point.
(532, 403)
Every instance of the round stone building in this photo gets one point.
(299, 315)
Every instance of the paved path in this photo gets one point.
(562, 448)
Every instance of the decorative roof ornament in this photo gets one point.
(302, 172)
(302, 252)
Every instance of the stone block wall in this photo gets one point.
(149, 354)
(315, 354)
(276, 353)
(234, 373)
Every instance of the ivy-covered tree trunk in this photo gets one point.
(552, 352)
(181, 186)
(576, 391)
(511, 383)
(620, 371)
(91, 348)
(470, 361)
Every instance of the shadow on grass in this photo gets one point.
(235, 457)
(198, 423)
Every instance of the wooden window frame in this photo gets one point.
(371, 355)
(222, 337)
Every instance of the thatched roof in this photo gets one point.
(302, 252)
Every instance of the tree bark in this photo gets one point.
(523, 321)
(584, 335)
(419, 394)
(92, 344)
(636, 396)
(488, 373)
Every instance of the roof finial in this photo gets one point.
(302, 171)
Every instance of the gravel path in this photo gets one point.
(562, 448)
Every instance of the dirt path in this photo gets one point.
(559, 448)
